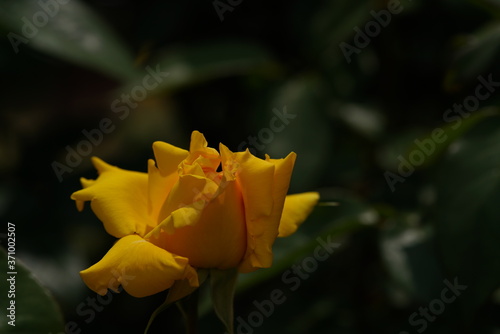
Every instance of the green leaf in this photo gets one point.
(179, 290)
(36, 311)
(451, 132)
(477, 52)
(409, 256)
(432, 144)
(368, 122)
(334, 24)
(299, 106)
(222, 286)
(468, 192)
(203, 62)
(70, 31)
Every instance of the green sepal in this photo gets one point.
(179, 290)
(222, 286)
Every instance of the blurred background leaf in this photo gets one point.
(270, 77)
(35, 310)
(476, 54)
(208, 61)
(467, 219)
(69, 30)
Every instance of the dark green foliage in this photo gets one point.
(403, 133)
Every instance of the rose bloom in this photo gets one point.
(192, 209)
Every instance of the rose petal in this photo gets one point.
(188, 190)
(297, 208)
(163, 175)
(262, 232)
(200, 153)
(142, 268)
(168, 157)
(119, 198)
(256, 178)
(218, 239)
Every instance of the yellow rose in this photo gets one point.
(193, 209)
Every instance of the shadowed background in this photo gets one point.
(371, 109)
